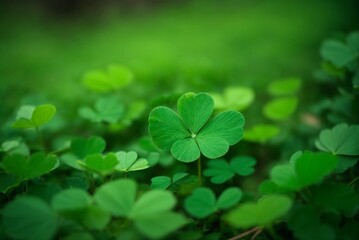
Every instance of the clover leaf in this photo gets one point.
(148, 212)
(34, 117)
(280, 108)
(262, 213)
(71, 200)
(285, 86)
(304, 169)
(202, 202)
(107, 109)
(174, 184)
(82, 147)
(193, 132)
(29, 218)
(238, 98)
(261, 133)
(341, 139)
(98, 163)
(221, 171)
(128, 161)
(113, 78)
(24, 167)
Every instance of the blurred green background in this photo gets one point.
(47, 45)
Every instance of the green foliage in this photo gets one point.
(202, 202)
(339, 53)
(147, 212)
(98, 163)
(71, 200)
(221, 171)
(263, 213)
(261, 133)
(286, 86)
(34, 166)
(280, 108)
(82, 147)
(303, 170)
(29, 218)
(34, 117)
(107, 109)
(194, 132)
(115, 77)
(238, 98)
(341, 139)
(129, 161)
(174, 184)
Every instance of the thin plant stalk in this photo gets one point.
(199, 168)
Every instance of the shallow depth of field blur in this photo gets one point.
(169, 46)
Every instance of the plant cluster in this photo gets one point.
(187, 178)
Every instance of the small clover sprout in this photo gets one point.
(193, 131)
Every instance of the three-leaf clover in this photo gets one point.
(304, 169)
(202, 202)
(267, 209)
(34, 117)
(221, 171)
(174, 184)
(151, 212)
(194, 132)
(129, 161)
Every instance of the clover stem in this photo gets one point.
(41, 140)
(255, 230)
(199, 171)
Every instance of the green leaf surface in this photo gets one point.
(219, 171)
(185, 150)
(8, 182)
(160, 182)
(113, 78)
(280, 108)
(117, 197)
(196, 132)
(82, 147)
(174, 184)
(100, 164)
(128, 161)
(306, 224)
(201, 203)
(303, 170)
(9, 145)
(33, 117)
(71, 200)
(195, 110)
(341, 139)
(43, 114)
(153, 202)
(243, 165)
(229, 198)
(337, 52)
(212, 147)
(36, 165)
(95, 218)
(29, 218)
(312, 167)
(166, 127)
(238, 98)
(287, 86)
(336, 197)
(266, 211)
(107, 109)
(160, 225)
(227, 125)
(261, 133)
